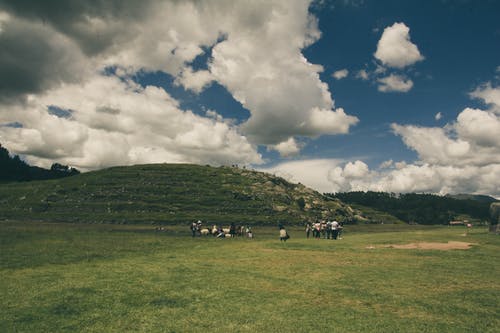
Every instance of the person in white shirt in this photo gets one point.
(335, 229)
(283, 235)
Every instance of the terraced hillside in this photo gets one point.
(168, 193)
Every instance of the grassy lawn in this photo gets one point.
(119, 278)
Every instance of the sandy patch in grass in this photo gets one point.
(451, 245)
(433, 246)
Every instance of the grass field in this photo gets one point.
(119, 278)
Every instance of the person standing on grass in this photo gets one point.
(232, 230)
(328, 229)
(198, 227)
(249, 232)
(194, 226)
(317, 229)
(335, 229)
(308, 229)
(283, 235)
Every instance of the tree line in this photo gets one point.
(13, 168)
(417, 208)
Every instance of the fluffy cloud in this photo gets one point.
(362, 74)
(115, 121)
(195, 81)
(433, 144)
(351, 177)
(394, 83)
(489, 94)
(439, 179)
(287, 148)
(479, 127)
(47, 52)
(334, 176)
(34, 57)
(340, 74)
(280, 88)
(355, 170)
(4, 17)
(461, 157)
(395, 53)
(394, 49)
(471, 140)
(327, 121)
(312, 173)
(464, 156)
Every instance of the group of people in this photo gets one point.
(324, 229)
(319, 229)
(220, 232)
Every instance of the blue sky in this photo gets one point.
(398, 96)
(461, 46)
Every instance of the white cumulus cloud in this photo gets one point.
(461, 157)
(479, 127)
(312, 173)
(355, 170)
(394, 83)
(489, 94)
(287, 148)
(115, 121)
(362, 74)
(340, 74)
(195, 81)
(4, 17)
(252, 48)
(280, 88)
(395, 53)
(395, 49)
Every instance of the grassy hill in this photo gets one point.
(370, 215)
(168, 193)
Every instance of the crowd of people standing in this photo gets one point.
(319, 229)
(324, 229)
(233, 230)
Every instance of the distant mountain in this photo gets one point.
(476, 197)
(12, 168)
(418, 208)
(169, 193)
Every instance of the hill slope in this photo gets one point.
(168, 193)
(476, 197)
(419, 208)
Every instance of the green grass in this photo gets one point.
(121, 278)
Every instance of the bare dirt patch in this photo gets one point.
(433, 246)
